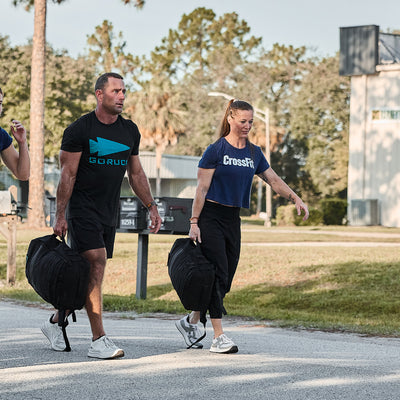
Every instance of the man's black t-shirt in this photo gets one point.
(105, 153)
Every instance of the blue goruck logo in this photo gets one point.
(105, 147)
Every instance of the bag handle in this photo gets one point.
(63, 322)
(203, 320)
(62, 237)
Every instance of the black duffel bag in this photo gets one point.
(192, 276)
(59, 275)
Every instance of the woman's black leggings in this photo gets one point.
(220, 242)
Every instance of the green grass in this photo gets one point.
(336, 288)
(359, 298)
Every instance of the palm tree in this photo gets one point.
(36, 215)
(158, 110)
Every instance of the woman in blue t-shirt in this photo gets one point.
(225, 175)
(16, 161)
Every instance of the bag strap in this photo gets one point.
(203, 320)
(63, 322)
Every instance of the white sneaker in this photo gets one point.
(222, 344)
(190, 332)
(104, 348)
(54, 333)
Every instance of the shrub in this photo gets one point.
(284, 215)
(315, 218)
(333, 210)
(287, 216)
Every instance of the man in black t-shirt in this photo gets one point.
(96, 151)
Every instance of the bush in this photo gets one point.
(287, 216)
(333, 210)
(284, 215)
(315, 218)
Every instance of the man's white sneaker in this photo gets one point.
(222, 344)
(190, 332)
(54, 333)
(104, 348)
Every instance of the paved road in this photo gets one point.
(325, 243)
(313, 231)
(272, 363)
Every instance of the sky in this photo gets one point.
(312, 23)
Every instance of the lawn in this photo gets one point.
(310, 277)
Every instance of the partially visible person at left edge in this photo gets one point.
(17, 162)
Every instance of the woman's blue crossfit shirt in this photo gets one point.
(234, 172)
(5, 139)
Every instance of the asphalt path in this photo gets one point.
(272, 363)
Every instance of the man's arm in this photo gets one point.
(18, 162)
(140, 185)
(69, 163)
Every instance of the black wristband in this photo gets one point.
(152, 203)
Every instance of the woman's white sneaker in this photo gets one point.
(104, 348)
(190, 332)
(222, 344)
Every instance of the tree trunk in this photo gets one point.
(36, 217)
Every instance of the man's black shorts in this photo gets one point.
(88, 234)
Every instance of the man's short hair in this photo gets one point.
(103, 79)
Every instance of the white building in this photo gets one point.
(372, 59)
(178, 175)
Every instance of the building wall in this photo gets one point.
(172, 166)
(183, 188)
(374, 143)
(178, 175)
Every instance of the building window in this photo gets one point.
(385, 115)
